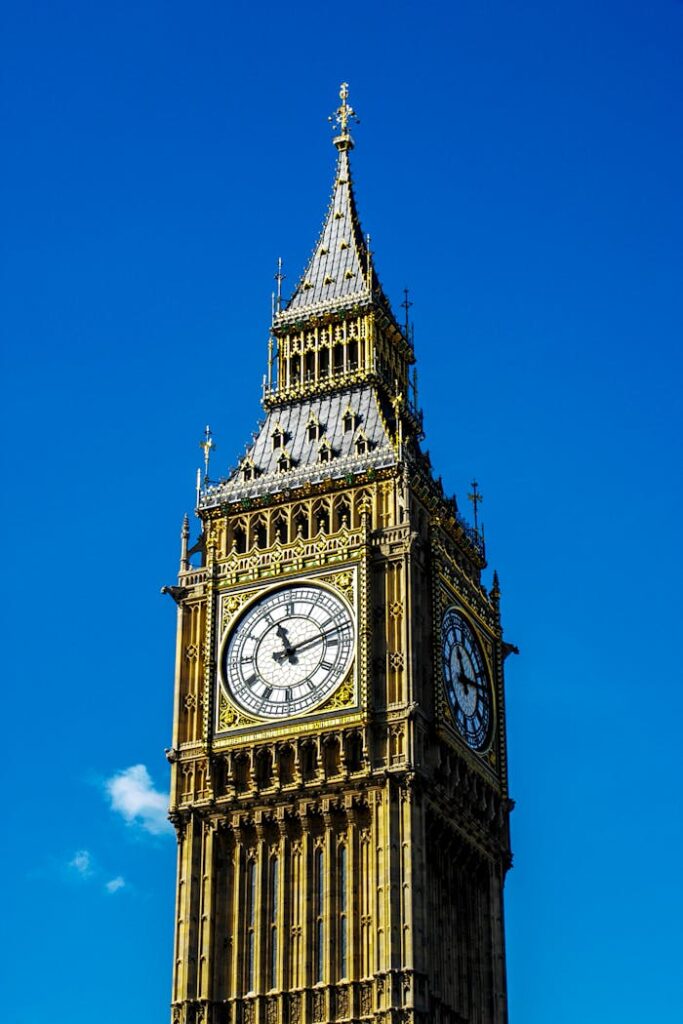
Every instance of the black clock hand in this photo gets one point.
(288, 649)
(315, 639)
(293, 651)
(463, 679)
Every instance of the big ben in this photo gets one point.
(339, 773)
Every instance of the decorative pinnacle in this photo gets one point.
(208, 444)
(476, 498)
(406, 304)
(340, 119)
(279, 277)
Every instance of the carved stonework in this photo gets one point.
(294, 1008)
(343, 582)
(272, 1011)
(231, 605)
(366, 999)
(318, 1006)
(343, 697)
(230, 718)
(342, 1003)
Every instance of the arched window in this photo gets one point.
(349, 420)
(324, 361)
(343, 922)
(325, 451)
(313, 427)
(342, 513)
(278, 437)
(260, 534)
(321, 517)
(249, 981)
(338, 357)
(273, 900)
(319, 882)
(301, 525)
(309, 365)
(239, 540)
(280, 528)
(286, 765)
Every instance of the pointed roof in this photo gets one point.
(338, 267)
(340, 270)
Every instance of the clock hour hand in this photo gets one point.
(289, 651)
(463, 678)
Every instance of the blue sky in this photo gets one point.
(519, 167)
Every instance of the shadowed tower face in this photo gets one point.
(339, 784)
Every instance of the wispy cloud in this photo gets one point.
(133, 796)
(115, 884)
(82, 863)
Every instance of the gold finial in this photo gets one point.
(208, 444)
(340, 119)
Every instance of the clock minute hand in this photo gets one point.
(315, 639)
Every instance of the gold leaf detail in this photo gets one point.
(342, 698)
(229, 717)
(342, 581)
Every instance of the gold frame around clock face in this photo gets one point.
(288, 651)
(466, 680)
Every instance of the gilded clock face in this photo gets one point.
(289, 651)
(467, 684)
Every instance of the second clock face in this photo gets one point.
(466, 680)
(289, 651)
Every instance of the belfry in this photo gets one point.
(339, 781)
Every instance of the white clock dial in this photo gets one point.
(288, 651)
(464, 675)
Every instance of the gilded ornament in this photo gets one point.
(230, 718)
(397, 660)
(342, 698)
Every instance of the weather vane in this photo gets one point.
(344, 113)
(476, 498)
(207, 445)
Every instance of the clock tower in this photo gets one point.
(339, 783)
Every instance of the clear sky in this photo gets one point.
(519, 166)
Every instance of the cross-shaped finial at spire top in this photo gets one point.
(341, 117)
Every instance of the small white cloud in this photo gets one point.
(134, 797)
(115, 884)
(82, 863)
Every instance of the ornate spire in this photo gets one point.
(340, 270)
